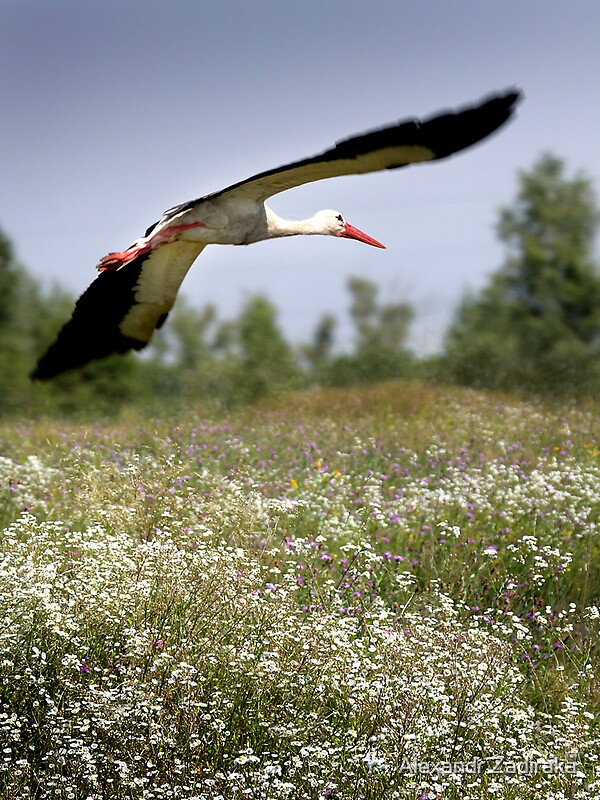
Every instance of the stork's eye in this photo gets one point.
(339, 218)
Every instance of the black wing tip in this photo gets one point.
(449, 132)
(93, 331)
(40, 373)
(494, 107)
(66, 355)
(507, 99)
(44, 372)
(514, 92)
(510, 94)
(444, 132)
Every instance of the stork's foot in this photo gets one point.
(116, 260)
(167, 235)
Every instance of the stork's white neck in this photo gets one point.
(278, 226)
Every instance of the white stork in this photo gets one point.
(136, 288)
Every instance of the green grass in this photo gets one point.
(378, 593)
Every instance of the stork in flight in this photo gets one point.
(136, 288)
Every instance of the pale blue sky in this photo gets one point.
(114, 111)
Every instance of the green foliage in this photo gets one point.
(377, 326)
(380, 341)
(198, 357)
(266, 361)
(183, 360)
(15, 328)
(537, 324)
(318, 353)
(29, 319)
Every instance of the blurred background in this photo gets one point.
(113, 112)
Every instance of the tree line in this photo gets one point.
(535, 327)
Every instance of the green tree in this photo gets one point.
(26, 326)
(266, 362)
(190, 358)
(380, 339)
(318, 353)
(15, 328)
(364, 311)
(537, 323)
(191, 331)
(29, 319)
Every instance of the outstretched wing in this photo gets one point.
(123, 306)
(121, 309)
(408, 142)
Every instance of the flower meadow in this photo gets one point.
(390, 592)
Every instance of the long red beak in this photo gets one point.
(350, 232)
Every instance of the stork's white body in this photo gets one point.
(224, 220)
(230, 220)
(137, 286)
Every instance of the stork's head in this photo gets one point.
(332, 223)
